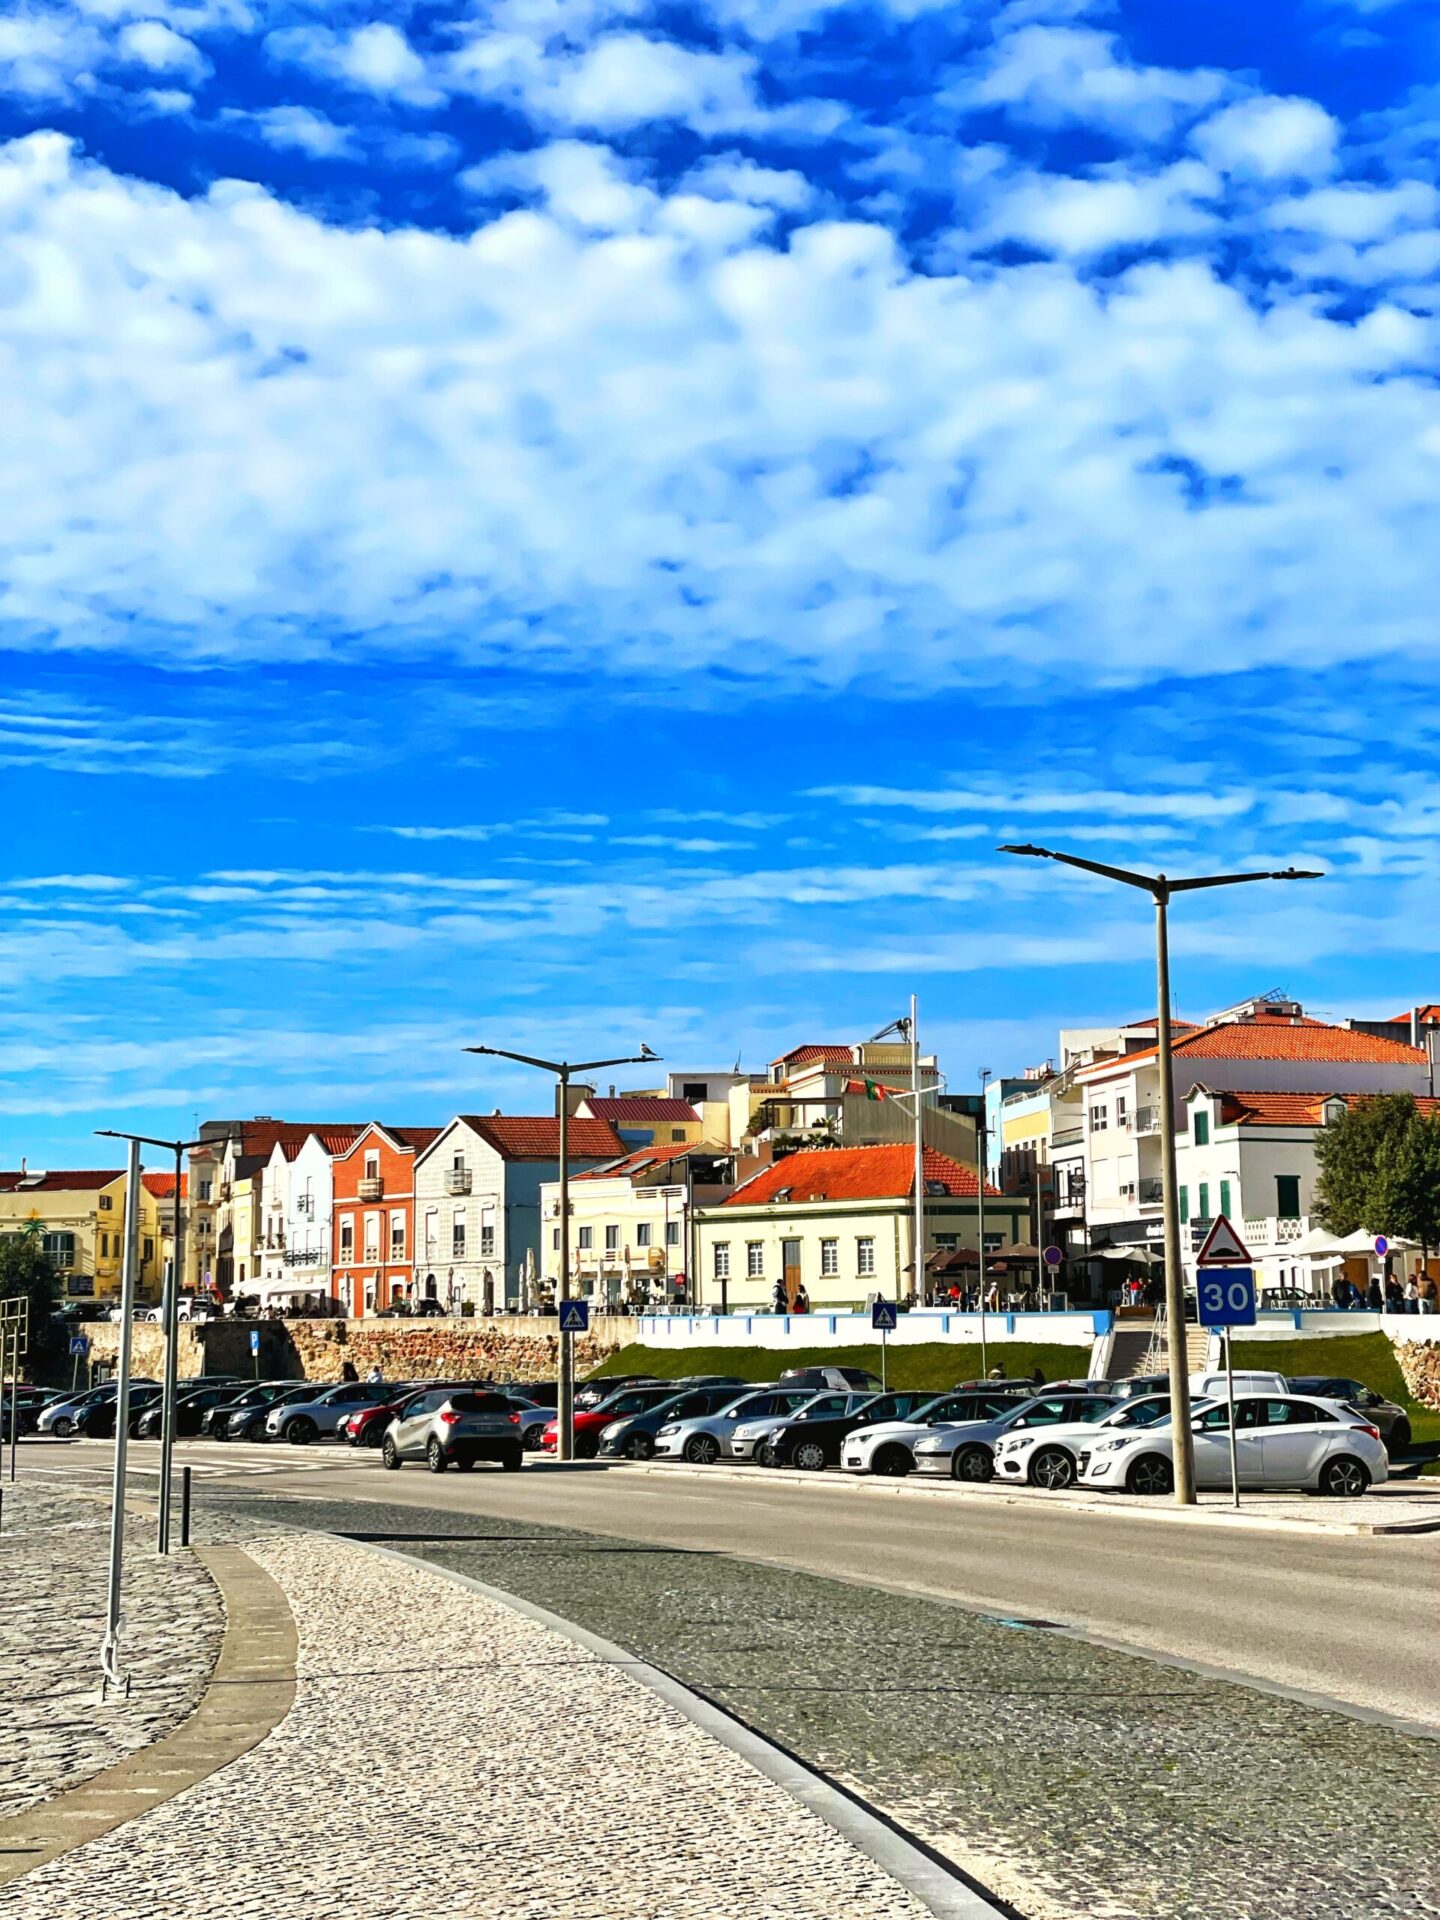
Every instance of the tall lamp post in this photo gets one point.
(563, 1070)
(1161, 889)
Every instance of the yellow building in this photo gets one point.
(80, 1216)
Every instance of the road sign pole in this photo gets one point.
(15, 1396)
(1234, 1444)
(884, 1354)
(111, 1674)
(172, 1364)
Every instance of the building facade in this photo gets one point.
(373, 1217)
(631, 1223)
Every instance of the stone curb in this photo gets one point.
(250, 1691)
(934, 1882)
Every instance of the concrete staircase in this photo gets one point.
(1130, 1350)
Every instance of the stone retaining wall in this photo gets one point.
(1419, 1361)
(506, 1347)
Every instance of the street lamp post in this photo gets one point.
(1161, 889)
(982, 1157)
(563, 1071)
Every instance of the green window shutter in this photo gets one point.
(1225, 1198)
(1287, 1196)
(1202, 1129)
(1204, 1200)
(1184, 1206)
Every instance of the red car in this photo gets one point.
(592, 1423)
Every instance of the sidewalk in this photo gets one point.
(446, 1755)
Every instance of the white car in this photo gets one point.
(968, 1452)
(890, 1447)
(747, 1437)
(1050, 1456)
(1213, 1386)
(1281, 1441)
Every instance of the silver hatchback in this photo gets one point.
(455, 1427)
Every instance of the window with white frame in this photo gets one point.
(1122, 1110)
(585, 1238)
(642, 1234)
(457, 1235)
(612, 1239)
(755, 1259)
(372, 1166)
(397, 1236)
(865, 1254)
(722, 1259)
(432, 1233)
(487, 1236)
(829, 1257)
(1099, 1119)
(672, 1233)
(372, 1236)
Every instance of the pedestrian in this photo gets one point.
(781, 1300)
(1374, 1298)
(347, 1371)
(1412, 1297)
(1427, 1291)
(375, 1376)
(802, 1300)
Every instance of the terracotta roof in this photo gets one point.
(417, 1138)
(827, 1050)
(83, 1179)
(855, 1173)
(517, 1136)
(1429, 1016)
(260, 1137)
(644, 1157)
(1153, 1020)
(162, 1185)
(1295, 1109)
(1270, 1039)
(641, 1107)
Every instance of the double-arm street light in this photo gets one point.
(1161, 888)
(563, 1071)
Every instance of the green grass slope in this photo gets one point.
(935, 1364)
(1368, 1357)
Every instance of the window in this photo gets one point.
(432, 1233)
(642, 1234)
(457, 1237)
(1099, 1119)
(695, 1091)
(372, 1166)
(555, 1238)
(397, 1236)
(104, 1247)
(585, 1239)
(677, 1136)
(372, 1236)
(1202, 1127)
(487, 1239)
(722, 1259)
(829, 1256)
(865, 1256)
(1287, 1196)
(612, 1239)
(947, 1242)
(672, 1233)
(1122, 1110)
(107, 1201)
(149, 1254)
(60, 1249)
(1225, 1198)
(347, 1239)
(205, 1189)
(1204, 1200)
(755, 1259)
(1184, 1206)
(457, 1162)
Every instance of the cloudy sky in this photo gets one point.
(578, 522)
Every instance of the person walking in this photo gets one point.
(802, 1300)
(1412, 1296)
(1425, 1287)
(375, 1376)
(781, 1300)
(347, 1371)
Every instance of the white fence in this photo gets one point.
(1073, 1329)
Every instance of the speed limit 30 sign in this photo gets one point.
(1226, 1296)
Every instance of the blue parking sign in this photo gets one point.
(1226, 1296)
(574, 1316)
(255, 1339)
(884, 1317)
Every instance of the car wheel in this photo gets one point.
(702, 1449)
(301, 1432)
(435, 1457)
(809, 1455)
(513, 1459)
(641, 1447)
(893, 1462)
(1151, 1473)
(373, 1436)
(1052, 1468)
(63, 1428)
(1399, 1438)
(1344, 1477)
(466, 1465)
(587, 1446)
(973, 1465)
(530, 1438)
(389, 1455)
(220, 1431)
(766, 1456)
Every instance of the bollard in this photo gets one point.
(185, 1506)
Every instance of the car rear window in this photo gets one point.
(479, 1403)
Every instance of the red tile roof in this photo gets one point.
(85, 1179)
(162, 1185)
(1295, 1109)
(1429, 1016)
(832, 1052)
(260, 1137)
(641, 1159)
(517, 1136)
(417, 1138)
(1269, 1039)
(855, 1173)
(638, 1109)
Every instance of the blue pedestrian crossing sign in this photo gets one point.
(884, 1316)
(574, 1316)
(1226, 1296)
(255, 1339)
(80, 1344)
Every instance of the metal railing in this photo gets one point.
(459, 1180)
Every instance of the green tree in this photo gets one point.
(1380, 1170)
(26, 1269)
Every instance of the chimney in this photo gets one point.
(22, 1166)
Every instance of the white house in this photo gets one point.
(297, 1207)
(631, 1221)
(477, 1202)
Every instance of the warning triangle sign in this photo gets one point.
(1223, 1246)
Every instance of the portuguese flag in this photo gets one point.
(873, 1090)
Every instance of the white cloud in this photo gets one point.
(44, 55)
(249, 434)
(151, 44)
(304, 130)
(1056, 75)
(1270, 137)
(1358, 213)
(1085, 216)
(577, 182)
(376, 58)
(732, 177)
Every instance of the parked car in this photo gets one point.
(190, 1409)
(591, 1392)
(591, 1422)
(97, 1421)
(703, 1439)
(29, 1403)
(968, 1452)
(818, 1378)
(215, 1420)
(248, 1422)
(631, 1436)
(541, 1393)
(1281, 1441)
(1142, 1387)
(1210, 1386)
(751, 1434)
(1049, 1456)
(812, 1438)
(365, 1426)
(888, 1448)
(61, 1415)
(445, 1427)
(302, 1421)
(1393, 1421)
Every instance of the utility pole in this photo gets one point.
(919, 1152)
(565, 1360)
(112, 1674)
(981, 1157)
(1161, 889)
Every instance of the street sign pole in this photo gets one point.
(111, 1674)
(1234, 1444)
(1224, 1300)
(884, 1318)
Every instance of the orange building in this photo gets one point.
(373, 1262)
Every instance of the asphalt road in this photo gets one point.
(1347, 1619)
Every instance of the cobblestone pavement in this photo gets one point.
(446, 1756)
(54, 1557)
(1073, 1781)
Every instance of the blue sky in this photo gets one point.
(573, 522)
